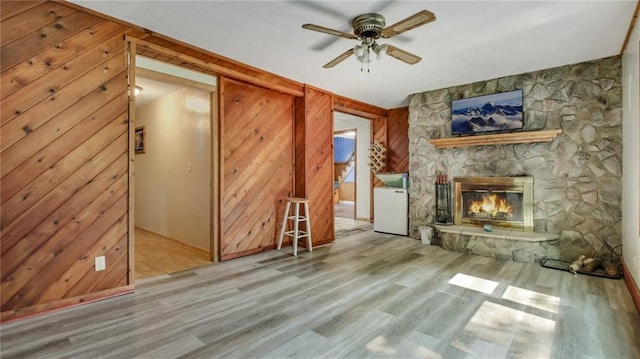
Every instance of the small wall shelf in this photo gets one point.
(497, 139)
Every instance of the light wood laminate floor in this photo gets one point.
(156, 255)
(368, 295)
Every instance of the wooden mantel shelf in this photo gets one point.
(497, 139)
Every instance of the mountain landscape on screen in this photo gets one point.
(491, 113)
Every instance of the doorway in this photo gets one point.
(344, 164)
(175, 111)
(353, 212)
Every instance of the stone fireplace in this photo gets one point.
(577, 176)
(503, 202)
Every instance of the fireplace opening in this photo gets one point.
(490, 205)
(505, 202)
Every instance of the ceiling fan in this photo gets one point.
(367, 28)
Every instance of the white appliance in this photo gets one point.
(391, 206)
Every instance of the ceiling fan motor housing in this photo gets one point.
(368, 25)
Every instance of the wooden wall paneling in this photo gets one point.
(398, 139)
(48, 204)
(11, 8)
(28, 71)
(318, 163)
(49, 255)
(58, 172)
(63, 157)
(256, 165)
(67, 120)
(31, 20)
(249, 158)
(48, 84)
(49, 155)
(27, 122)
(115, 255)
(60, 193)
(300, 147)
(81, 277)
(31, 290)
(21, 241)
(33, 43)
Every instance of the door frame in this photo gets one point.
(214, 115)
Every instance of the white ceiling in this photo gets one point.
(152, 90)
(469, 41)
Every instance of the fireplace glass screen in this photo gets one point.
(504, 202)
(493, 205)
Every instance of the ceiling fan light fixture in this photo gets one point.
(367, 28)
(379, 50)
(365, 58)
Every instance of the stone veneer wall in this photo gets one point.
(577, 177)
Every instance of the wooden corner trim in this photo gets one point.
(631, 285)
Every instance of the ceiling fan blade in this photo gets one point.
(418, 19)
(329, 31)
(338, 59)
(402, 55)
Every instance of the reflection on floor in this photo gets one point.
(345, 209)
(156, 255)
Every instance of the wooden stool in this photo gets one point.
(296, 233)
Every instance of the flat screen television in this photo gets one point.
(500, 112)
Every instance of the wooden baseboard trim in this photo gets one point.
(631, 285)
(65, 303)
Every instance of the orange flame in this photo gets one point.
(490, 204)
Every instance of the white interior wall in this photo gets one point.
(362, 126)
(172, 194)
(631, 154)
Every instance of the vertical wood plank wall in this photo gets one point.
(63, 155)
(257, 166)
(314, 136)
(398, 140)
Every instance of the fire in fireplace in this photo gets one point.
(505, 202)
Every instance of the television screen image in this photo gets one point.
(499, 112)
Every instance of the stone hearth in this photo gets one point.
(504, 244)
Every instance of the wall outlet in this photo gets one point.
(101, 263)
